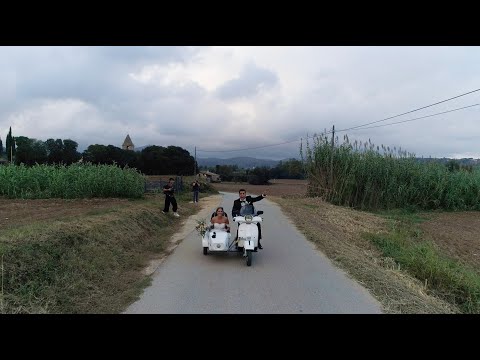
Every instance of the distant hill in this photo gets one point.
(140, 148)
(463, 161)
(249, 162)
(241, 162)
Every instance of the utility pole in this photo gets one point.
(331, 158)
(195, 164)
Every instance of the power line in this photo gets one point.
(404, 121)
(353, 128)
(363, 126)
(408, 112)
(251, 148)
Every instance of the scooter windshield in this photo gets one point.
(247, 209)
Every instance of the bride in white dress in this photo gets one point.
(218, 226)
(220, 221)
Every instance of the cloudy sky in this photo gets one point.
(228, 98)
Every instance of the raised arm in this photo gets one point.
(255, 199)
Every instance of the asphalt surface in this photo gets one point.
(287, 277)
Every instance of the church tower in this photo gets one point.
(127, 144)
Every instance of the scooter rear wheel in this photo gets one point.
(205, 250)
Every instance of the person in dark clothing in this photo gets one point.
(244, 205)
(196, 190)
(169, 192)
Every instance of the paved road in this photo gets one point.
(287, 276)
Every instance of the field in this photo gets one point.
(457, 233)
(17, 212)
(279, 187)
(337, 232)
(80, 256)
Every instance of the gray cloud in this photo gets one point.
(249, 83)
(189, 96)
(93, 74)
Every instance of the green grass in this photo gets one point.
(91, 264)
(449, 279)
(70, 182)
(406, 217)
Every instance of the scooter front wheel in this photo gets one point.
(249, 257)
(205, 250)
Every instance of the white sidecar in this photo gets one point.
(216, 240)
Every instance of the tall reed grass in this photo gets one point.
(371, 177)
(68, 182)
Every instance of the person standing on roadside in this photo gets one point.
(169, 192)
(196, 190)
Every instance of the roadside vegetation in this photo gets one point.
(69, 182)
(90, 261)
(407, 230)
(369, 177)
(448, 278)
(392, 184)
(370, 209)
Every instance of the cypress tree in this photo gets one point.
(10, 148)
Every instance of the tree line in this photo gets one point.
(288, 169)
(153, 160)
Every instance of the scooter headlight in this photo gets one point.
(248, 218)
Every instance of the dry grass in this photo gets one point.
(337, 233)
(88, 263)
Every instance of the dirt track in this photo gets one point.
(279, 187)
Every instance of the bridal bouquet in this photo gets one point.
(201, 227)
